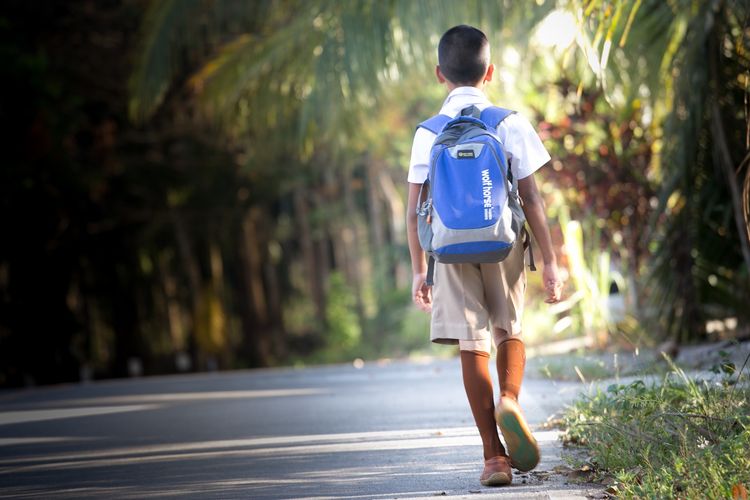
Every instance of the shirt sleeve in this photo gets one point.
(521, 141)
(419, 165)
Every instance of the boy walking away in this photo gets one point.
(476, 305)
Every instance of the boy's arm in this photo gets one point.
(533, 207)
(420, 292)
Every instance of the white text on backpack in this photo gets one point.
(487, 194)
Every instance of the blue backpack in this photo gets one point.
(469, 210)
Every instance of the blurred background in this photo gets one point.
(206, 185)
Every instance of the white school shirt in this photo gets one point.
(525, 150)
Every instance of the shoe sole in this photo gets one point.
(496, 479)
(522, 447)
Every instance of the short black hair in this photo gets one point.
(463, 55)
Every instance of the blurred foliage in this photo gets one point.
(216, 184)
(344, 331)
(653, 152)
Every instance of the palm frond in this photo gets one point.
(176, 34)
(155, 69)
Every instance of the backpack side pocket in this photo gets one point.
(424, 217)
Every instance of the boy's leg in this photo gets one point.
(504, 287)
(478, 384)
(511, 362)
(479, 391)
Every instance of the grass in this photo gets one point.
(594, 366)
(570, 367)
(682, 438)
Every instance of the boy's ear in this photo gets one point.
(441, 78)
(490, 72)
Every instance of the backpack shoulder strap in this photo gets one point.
(435, 124)
(494, 116)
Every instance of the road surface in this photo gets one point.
(385, 430)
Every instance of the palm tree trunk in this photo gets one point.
(352, 251)
(276, 323)
(217, 327)
(394, 202)
(727, 166)
(192, 270)
(724, 156)
(375, 207)
(254, 274)
(174, 311)
(316, 288)
(255, 317)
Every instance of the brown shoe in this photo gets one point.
(522, 447)
(496, 472)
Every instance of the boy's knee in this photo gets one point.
(501, 335)
(482, 347)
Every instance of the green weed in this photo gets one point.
(571, 367)
(683, 438)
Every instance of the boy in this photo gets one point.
(473, 305)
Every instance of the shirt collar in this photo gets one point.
(465, 91)
(461, 97)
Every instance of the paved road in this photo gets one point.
(387, 430)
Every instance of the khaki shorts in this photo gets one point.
(470, 301)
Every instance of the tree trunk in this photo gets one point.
(728, 168)
(217, 318)
(375, 209)
(177, 330)
(255, 317)
(352, 251)
(254, 274)
(278, 335)
(192, 270)
(394, 202)
(723, 153)
(307, 245)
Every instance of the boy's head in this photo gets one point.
(464, 56)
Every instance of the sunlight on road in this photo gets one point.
(275, 447)
(398, 431)
(196, 396)
(39, 440)
(131, 403)
(15, 417)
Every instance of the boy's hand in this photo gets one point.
(552, 283)
(421, 294)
